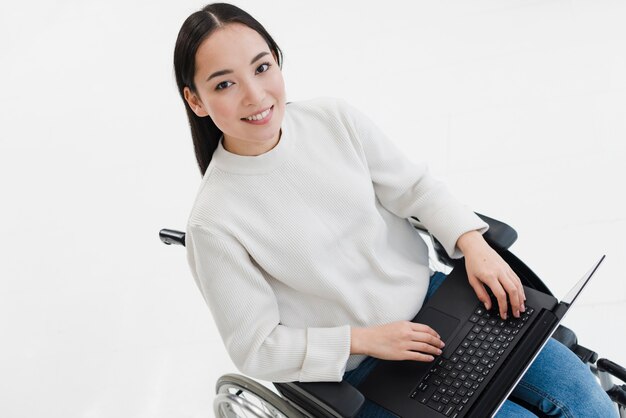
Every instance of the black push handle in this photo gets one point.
(171, 236)
(612, 368)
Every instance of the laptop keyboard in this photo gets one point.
(452, 382)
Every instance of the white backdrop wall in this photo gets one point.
(519, 105)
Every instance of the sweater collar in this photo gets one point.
(258, 164)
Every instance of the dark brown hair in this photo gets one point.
(196, 28)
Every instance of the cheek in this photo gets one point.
(221, 113)
(277, 85)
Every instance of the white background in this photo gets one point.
(519, 106)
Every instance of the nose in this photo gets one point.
(254, 93)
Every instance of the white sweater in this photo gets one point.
(293, 247)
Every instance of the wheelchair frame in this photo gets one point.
(240, 396)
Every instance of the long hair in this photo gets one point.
(196, 28)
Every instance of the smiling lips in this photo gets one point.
(260, 118)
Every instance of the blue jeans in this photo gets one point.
(557, 384)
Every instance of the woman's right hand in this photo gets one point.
(401, 340)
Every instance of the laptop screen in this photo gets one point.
(573, 294)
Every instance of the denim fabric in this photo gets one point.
(557, 384)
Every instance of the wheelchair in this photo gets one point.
(240, 396)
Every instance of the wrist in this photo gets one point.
(358, 340)
(469, 240)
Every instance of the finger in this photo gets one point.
(520, 289)
(513, 293)
(500, 294)
(414, 355)
(480, 291)
(424, 328)
(426, 338)
(424, 348)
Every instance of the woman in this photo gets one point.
(299, 239)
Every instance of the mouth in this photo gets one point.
(261, 117)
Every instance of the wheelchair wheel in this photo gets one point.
(239, 396)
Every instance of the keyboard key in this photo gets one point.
(435, 405)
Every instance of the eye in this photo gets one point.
(266, 66)
(222, 85)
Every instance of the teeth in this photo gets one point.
(259, 116)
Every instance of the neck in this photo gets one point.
(247, 149)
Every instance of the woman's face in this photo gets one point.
(237, 77)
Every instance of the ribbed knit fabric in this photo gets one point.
(293, 247)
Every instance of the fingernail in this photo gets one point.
(523, 308)
(439, 351)
(443, 344)
(430, 358)
(504, 316)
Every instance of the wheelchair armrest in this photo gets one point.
(499, 236)
(324, 399)
(566, 337)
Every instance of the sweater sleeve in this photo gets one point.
(246, 312)
(408, 189)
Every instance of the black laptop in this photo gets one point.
(484, 358)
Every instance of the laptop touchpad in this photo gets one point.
(442, 323)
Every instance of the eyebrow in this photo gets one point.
(222, 72)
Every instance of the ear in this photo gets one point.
(194, 103)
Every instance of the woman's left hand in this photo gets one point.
(485, 267)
